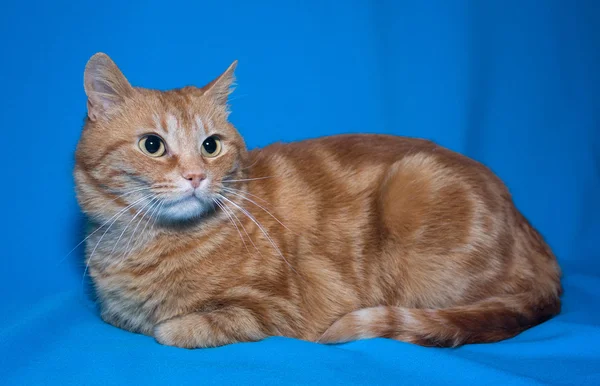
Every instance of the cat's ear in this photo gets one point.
(105, 85)
(220, 88)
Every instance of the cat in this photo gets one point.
(198, 242)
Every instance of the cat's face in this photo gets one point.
(165, 154)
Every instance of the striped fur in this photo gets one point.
(330, 240)
(488, 320)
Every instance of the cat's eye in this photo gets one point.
(211, 147)
(152, 145)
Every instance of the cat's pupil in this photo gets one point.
(210, 145)
(152, 144)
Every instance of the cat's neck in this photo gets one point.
(133, 237)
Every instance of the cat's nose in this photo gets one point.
(195, 178)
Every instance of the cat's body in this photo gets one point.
(330, 240)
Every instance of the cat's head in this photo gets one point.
(165, 153)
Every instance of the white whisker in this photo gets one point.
(242, 225)
(236, 97)
(128, 224)
(247, 193)
(254, 163)
(265, 233)
(248, 179)
(101, 226)
(107, 221)
(231, 191)
(261, 207)
(153, 187)
(159, 203)
(106, 231)
(153, 202)
(231, 220)
(125, 194)
(155, 214)
(244, 228)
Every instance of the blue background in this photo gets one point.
(514, 84)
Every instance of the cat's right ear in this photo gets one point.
(105, 85)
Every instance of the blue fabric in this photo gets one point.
(514, 84)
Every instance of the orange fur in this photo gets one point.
(331, 239)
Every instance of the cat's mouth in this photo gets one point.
(182, 199)
(192, 194)
(191, 204)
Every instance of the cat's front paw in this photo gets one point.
(169, 333)
(203, 330)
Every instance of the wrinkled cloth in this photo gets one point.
(513, 84)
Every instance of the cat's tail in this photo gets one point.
(489, 320)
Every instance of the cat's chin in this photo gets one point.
(186, 210)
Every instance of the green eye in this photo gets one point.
(152, 145)
(211, 147)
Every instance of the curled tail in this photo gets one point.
(489, 320)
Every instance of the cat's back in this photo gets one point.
(368, 158)
(359, 198)
(354, 148)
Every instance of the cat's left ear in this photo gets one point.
(220, 88)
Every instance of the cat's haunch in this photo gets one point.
(200, 243)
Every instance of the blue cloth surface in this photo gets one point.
(513, 84)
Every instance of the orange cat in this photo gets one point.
(200, 243)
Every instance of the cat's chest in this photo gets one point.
(136, 301)
(174, 276)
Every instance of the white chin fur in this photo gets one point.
(184, 210)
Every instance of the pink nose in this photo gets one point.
(195, 178)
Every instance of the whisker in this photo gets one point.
(155, 214)
(157, 186)
(254, 163)
(107, 221)
(126, 194)
(236, 97)
(248, 193)
(248, 179)
(159, 203)
(243, 227)
(158, 208)
(261, 207)
(120, 213)
(129, 223)
(231, 220)
(101, 226)
(261, 228)
(153, 202)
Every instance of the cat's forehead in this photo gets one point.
(184, 123)
(183, 130)
(183, 118)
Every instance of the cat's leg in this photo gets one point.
(211, 329)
